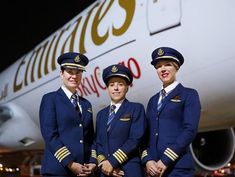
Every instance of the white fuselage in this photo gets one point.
(203, 31)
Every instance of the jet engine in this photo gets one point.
(213, 150)
(17, 129)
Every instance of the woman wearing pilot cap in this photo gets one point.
(173, 115)
(120, 127)
(67, 124)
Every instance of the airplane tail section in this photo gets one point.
(213, 150)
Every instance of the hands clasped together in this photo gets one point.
(82, 170)
(155, 169)
(108, 169)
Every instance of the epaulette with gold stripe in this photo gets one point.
(100, 158)
(171, 154)
(144, 154)
(93, 153)
(89, 110)
(120, 156)
(61, 153)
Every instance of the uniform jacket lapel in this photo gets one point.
(85, 108)
(64, 98)
(103, 125)
(118, 114)
(172, 94)
(66, 101)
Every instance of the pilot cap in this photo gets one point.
(73, 60)
(117, 70)
(167, 53)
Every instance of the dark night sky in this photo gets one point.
(24, 24)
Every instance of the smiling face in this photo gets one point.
(166, 71)
(117, 89)
(71, 78)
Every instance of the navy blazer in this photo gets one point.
(173, 127)
(68, 135)
(120, 144)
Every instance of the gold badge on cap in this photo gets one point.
(114, 69)
(77, 59)
(160, 52)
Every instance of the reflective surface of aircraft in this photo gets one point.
(127, 32)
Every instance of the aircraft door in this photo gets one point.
(163, 15)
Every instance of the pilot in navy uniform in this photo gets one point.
(66, 123)
(173, 115)
(120, 127)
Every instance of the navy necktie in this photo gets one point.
(111, 114)
(163, 95)
(74, 99)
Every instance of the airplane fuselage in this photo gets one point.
(111, 32)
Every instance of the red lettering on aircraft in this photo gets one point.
(91, 85)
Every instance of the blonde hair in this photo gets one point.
(175, 65)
